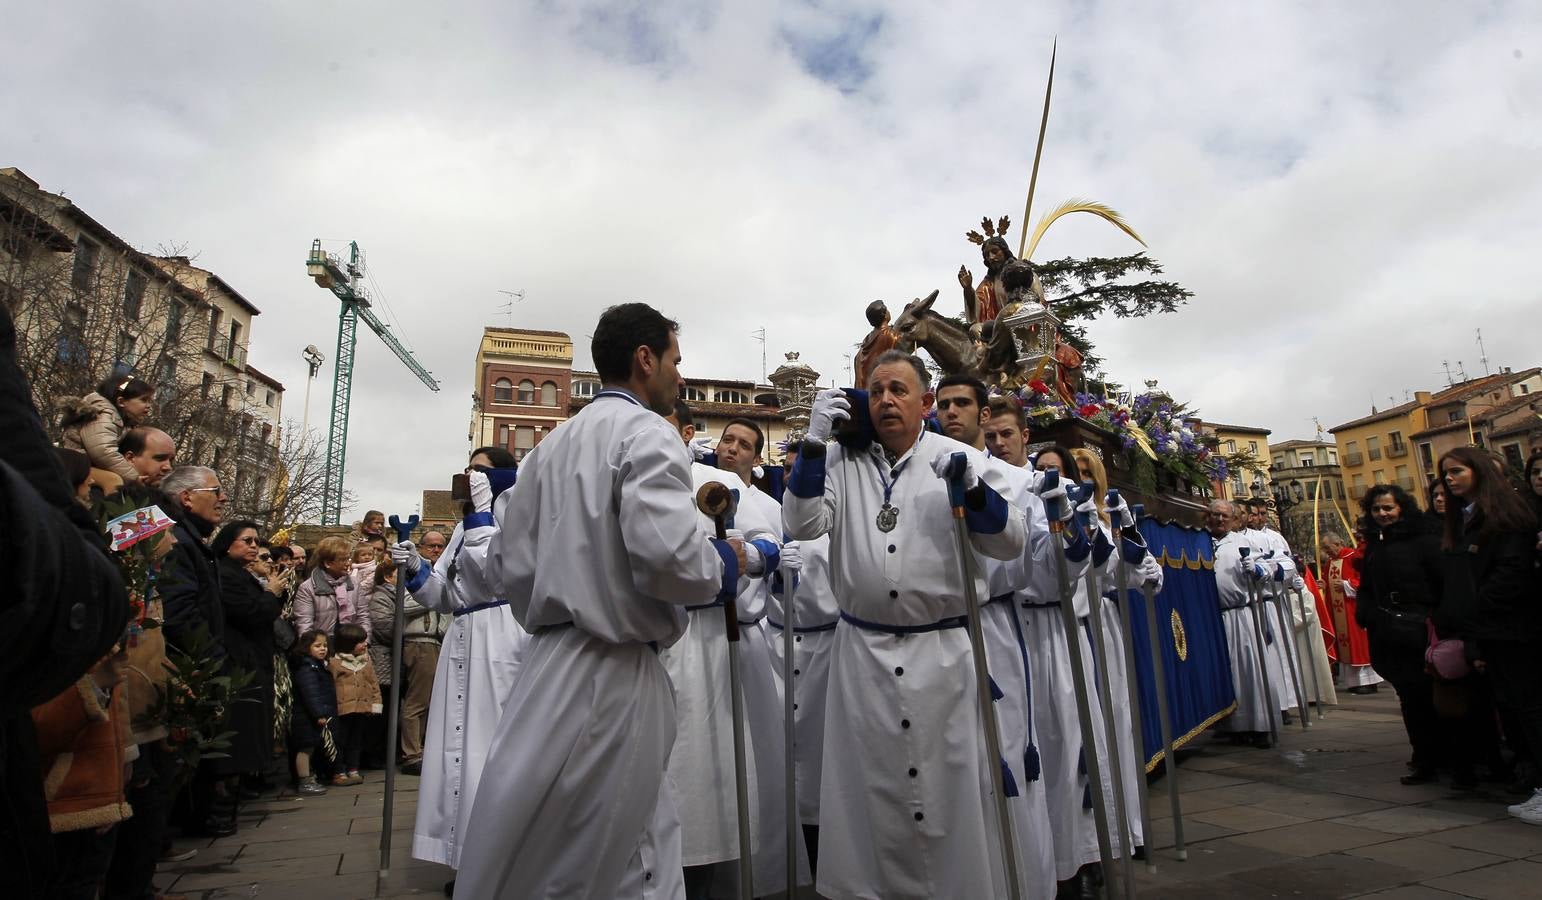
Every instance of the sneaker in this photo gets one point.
(310, 788)
(175, 856)
(341, 780)
(1530, 803)
(1531, 816)
(355, 778)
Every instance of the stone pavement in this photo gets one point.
(1322, 815)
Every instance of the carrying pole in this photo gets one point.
(982, 678)
(394, 701)
(1288, 631)
(1073, 641)
(1101, 674)
(1132, 684)
(715, 500)
(789, 703)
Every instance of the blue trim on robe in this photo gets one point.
(730, 587)
(419, 578)
(478, 520)
(770, 554)
(491, 604)
(1102, 549)
(991, 515)
(939, 625)
(1077, 547)
(1132, 551)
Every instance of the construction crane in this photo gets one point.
(343, 279)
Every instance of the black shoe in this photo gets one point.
(216, 828)
(1363, 689)
(1420, 776)
(1087, 882)
(1262, 742)
(413, 768)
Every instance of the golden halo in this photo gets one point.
(1180, 637)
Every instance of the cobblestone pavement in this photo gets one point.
(1322, 815)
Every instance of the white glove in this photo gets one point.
(1087, 509)
(831, 405)
(406, 552)
(792, 558)
(700, 447)
(1151, 571)
(943, 464)
(1120, 514)
(1057, 494)
(481, 492)
(758, 472)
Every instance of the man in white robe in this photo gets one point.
(1255, 717)
(906, 803)
(599, 548)
(1277, 564)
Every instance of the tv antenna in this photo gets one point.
(508, 308)
(1482, 353)
(759, 334)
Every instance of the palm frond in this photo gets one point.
(1101, 210)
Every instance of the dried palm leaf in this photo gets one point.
(1101, 210)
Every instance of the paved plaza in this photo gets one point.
(1320, 816)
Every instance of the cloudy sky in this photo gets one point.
(1350, 189)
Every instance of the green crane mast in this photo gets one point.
(343, 279)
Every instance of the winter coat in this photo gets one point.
(249, 614)
(315, 698)
(1490, 586)
(358, 690)
(93, 425)
(190, 586)
(422, 624)
(81, 735)
(324, 602)
(1400, 581)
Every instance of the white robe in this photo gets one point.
(472, 680)
(1253, 711)
(1269, 545)
(599, 548)
(906, 809)
(814, 616)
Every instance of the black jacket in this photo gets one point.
(315, 698)
(1400, 577)
(190, 587)
(64, 606)
(249, 614)
(1490, 586)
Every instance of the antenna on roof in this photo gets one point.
(1482, 353)
(1461, 372)
(1447, 364)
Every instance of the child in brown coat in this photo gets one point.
(358, 698)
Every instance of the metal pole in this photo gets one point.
(1073, 641)
(982, 676)
(1289, 639)
(1168, 754)
(1132, 686)
(788, 711)
(1272, 708)
(1106, 698)
(394, 702)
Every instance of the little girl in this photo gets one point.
(358, 697)
(315, 707)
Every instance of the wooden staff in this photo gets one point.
(394, 706)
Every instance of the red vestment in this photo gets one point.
(1353, 644)
(986, 306)
(1324, 621)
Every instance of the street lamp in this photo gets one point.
(313, 359)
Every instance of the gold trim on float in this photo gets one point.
(1193, 733)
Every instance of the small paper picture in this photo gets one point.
(131, 528)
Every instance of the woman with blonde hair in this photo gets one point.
(329, 597)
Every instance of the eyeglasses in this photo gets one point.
(263, 557)
(433, 546)
(217, 489)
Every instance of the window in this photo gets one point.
(1341, 490)
(206, 386)
(503, 392)
(1231, 446)
(72, 335)
(1525, 388)
(549, 394)
(1373, 448)
(585, 388)
(251, 388)
(1403, 481)
(732, 397)
(524, 440)
(527, 392)
(174, 323)
(1379, 476)
(1426, 456)
(267, 431)
(503, 436)
(1253, 447)
(1307, 460)
(214, 327)
(1333, 457)
(1512, 454)
(235, 341)
(166, 376)
(85, 264)
(1454, 415)
(693, 395)
(133, 295)
(126, 351)
(1279, 462)
(269, 399)
(1395, 440)
(226, 393)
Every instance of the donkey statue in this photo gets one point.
(945, 339)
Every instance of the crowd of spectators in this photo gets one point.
(1452, 602)
(97, 769)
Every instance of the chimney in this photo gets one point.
(1503, 370)
(1423, 397)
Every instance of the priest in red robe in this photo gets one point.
(1342, 581)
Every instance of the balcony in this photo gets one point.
(1374, 453)
(1397, 450)
(1353, 458)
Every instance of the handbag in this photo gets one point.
(284, 634)
(1447, 656)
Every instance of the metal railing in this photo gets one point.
(1397, 450)
(1353, 458)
